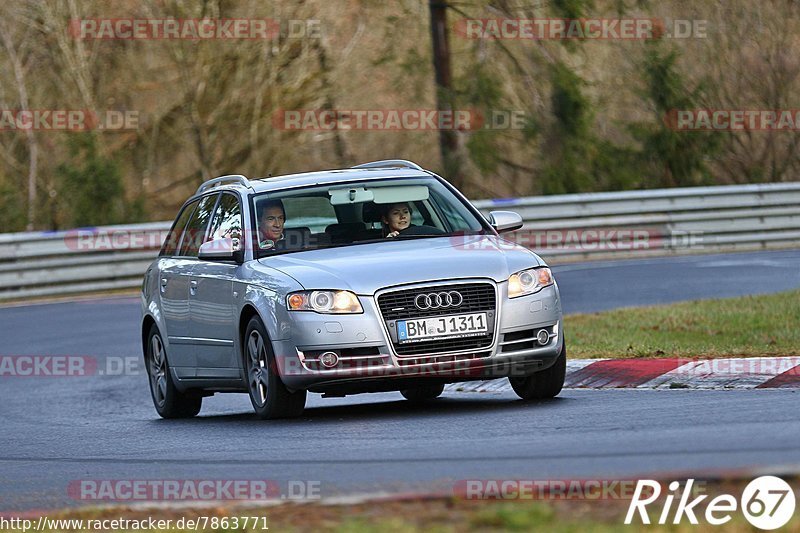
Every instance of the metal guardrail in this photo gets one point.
(560, 228)
(658, 222)
(68, 262)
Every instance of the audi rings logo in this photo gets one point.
(438, 300)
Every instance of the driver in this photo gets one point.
(270, 224)
(395, 218)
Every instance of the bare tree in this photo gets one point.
(24, 106)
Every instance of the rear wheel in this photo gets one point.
(268, 394)
(545, 384)
(167, 399)
(423, 394)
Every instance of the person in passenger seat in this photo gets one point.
(395, 218)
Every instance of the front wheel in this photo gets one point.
(545, 384)
(423, 394)
(268, 394)
(167, 399)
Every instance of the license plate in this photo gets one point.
(442, 327)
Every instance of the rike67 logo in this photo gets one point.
(767, 502)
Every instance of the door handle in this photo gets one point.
(163, 285)
(193, 287)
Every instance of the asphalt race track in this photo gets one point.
(56, 430)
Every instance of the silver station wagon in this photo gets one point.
(382, 277)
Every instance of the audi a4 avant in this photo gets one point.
(382, 277)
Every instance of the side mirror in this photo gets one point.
(223, 249)
(503, 221)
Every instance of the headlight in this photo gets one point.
(332, 302)
(529, 281)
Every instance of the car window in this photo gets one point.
(227, 221)
(313, 212)
(196, 229)
(436, 211)
(452, 212)
(173, 239)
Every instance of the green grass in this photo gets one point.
(749, 326)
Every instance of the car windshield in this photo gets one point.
(350, 214)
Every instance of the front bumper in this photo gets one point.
(368, 361)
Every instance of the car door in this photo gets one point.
(213, 302)
(175, 289)
(172, 294)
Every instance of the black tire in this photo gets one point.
(545, 384)
(269, 396)
(167, 399)
(423, 394)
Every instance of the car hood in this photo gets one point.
(365, 268)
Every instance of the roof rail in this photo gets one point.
(390, 163)
(224, 180)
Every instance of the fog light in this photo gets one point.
(329, 359)
(542, 337)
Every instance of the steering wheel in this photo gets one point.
(422, 230)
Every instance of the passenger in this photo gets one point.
(270, 224)
(395, 218)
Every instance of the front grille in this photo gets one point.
(399, 305)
